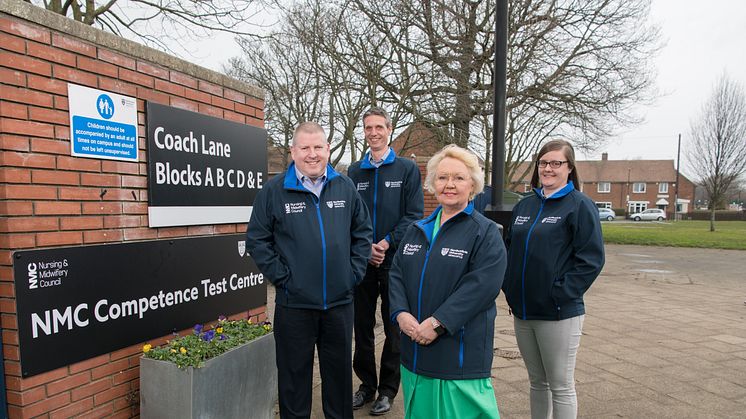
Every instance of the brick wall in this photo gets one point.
(48, 198)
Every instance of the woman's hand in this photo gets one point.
(407, 324)
(425, 333)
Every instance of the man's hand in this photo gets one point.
(378, 252)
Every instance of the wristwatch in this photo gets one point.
(437, 327)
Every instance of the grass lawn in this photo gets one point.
(727, 234)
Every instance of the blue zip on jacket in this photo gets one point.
(456, 279)
(555, 252)
(314, 250)
(393, 194)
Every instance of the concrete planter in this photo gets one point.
(241, 383)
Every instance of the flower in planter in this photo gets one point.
(194, 349)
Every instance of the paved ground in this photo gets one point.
(664, 337)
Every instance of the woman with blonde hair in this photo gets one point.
(444, 280)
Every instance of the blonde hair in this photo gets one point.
(463, 155)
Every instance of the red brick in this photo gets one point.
(102, 208)
(210, 110)
(222, 103)
(8, 321)
(13, 368)
(110, 166)
(7, 290)
(13, 43)
(81, 223)
(14, 77)
(13, 110)
(27, 31)
(55, 177)
(112, 367)
(9, 306)
(198, 96)
(72, 44)
(116, 58)
(13, 175)
(89, 363)
(26, 397)
(200, 230)
(28, 192)
(104, 411)
(246, 110)
(172, 232)
(19, 126)
(259, 123)
(43, 378)
(14, 142)
(41, 145)
(68, 383)
(73, 409)
(10, 158)
(181, 103)
(183, 79)
(48, 53)
(152, 95)
(56, 208)
(117, 86)
(16, 208)
(22, 95)
(168, 87)
(137, 78)
(6, 258)
(49, 115)
(111, 394)
(80, 194)
(210, 88)
(78, 163)
(226, 229)
(61, 102)
(255, 102)
(147, 68)
(28, 224)
(98, 67)
(140, 233)
(47, 85)
(59, 238)
(24, 63)
(46, 405)
(134, 181)
(234, 96)
(134, 208)
(126, 376)
(128, 352)
(103, 236)
(99, 179)
(88, 390)
(235, 117)
(74, 75)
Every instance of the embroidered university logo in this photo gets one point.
(520, 220)
(335, 204)
(242, 247)
(454, 253)
(387, 183)
(410, 249)
(362, 186)
(287, 208)
(393, 184)
(295, 207)
(444, 251)
(330, 204)
(550, 220)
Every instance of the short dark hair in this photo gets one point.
(569, 153)
(378, 112)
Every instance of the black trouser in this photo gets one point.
(297, 333)
(375, 283)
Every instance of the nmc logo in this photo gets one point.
(32, 276)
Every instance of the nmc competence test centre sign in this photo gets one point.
(201, 170)
(76, 303)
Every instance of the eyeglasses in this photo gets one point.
(457, 178)
(554, 164)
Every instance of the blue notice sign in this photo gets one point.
(102, 124)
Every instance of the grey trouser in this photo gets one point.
(549, 350)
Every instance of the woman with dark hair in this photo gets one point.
(555, 252)
(443, 283)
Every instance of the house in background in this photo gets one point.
(629, 185)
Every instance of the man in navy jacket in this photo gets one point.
(392, 191)
(310, 235)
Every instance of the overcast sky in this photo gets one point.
(703, 39)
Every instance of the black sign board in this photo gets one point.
(76, 303)
(201, 169)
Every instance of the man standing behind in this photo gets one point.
(310, 235)
(392, 190)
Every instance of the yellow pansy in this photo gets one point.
(146, 348)
(219, 330)
(182, 350)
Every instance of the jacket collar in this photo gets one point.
(557, 195)
(428, 224)
(292, 182)
(366, 164)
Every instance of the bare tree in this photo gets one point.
(717, 150)
(156, 22)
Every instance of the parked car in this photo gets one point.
(606, 214)
(649, 214)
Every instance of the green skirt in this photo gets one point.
(433, 398)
